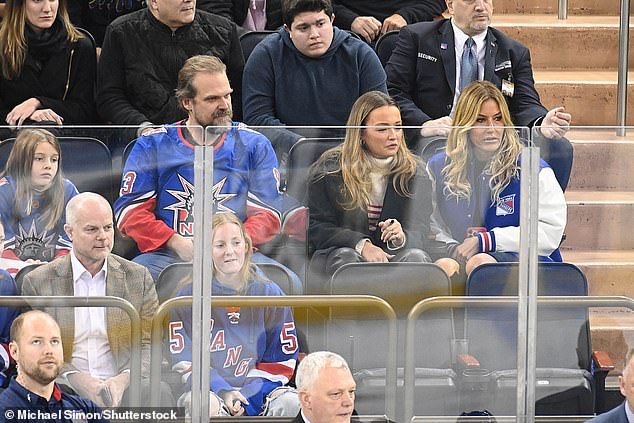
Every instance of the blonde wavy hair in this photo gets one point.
(353, 159)
(13, 37)
(502, 167)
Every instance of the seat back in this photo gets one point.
(176, 275)
(280, 276)
(563, 337)
(435, 145)
(85, 161)
(402, 285)
(354, 34)
(172, 279)
(301, 157)
(385, 45)
(250, 39)
(19, 277)
(126, 151)
(358, 333)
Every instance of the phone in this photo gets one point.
(105, 396)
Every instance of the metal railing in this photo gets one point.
(106, 301)
(462, 302)
(303, 301)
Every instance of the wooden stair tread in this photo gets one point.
(579, 76)
(599, 197)
(573, 21)
(599, 257)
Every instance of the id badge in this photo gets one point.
(508, 88)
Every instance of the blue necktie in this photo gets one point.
(468, 64)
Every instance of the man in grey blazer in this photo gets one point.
(624, 413)
(96, 340)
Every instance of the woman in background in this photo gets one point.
(48, 67)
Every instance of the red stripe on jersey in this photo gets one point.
(275, 369)
(262, 225)
(140, 224)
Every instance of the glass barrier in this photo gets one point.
(466, 355)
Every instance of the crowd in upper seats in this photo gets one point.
(170, 70)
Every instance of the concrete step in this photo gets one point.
(600, 220)
(576, 7)
(579, 42)
(608, 273)
(590, 96)
(612, 330)
(589, 170)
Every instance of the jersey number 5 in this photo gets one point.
(288, 338)
(177, 343)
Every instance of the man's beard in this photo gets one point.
(221, 119)
(41, 376)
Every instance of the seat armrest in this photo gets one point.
(466, 361)
(602, 361)
(601, 364)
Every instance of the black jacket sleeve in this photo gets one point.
(112, 102)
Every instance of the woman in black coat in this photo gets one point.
(48, 67)
(370, 198)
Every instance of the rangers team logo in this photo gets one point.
(233, 314)
(183, 208)
(505, 206)
(31, 244)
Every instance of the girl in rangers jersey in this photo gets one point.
(477, 185)
(33, 196)
(254, 350)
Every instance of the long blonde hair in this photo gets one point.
(13, 36)
(353, 159)
(503, 165)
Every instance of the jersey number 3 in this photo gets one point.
(127, 183)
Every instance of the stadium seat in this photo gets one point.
(433, 146)
(85, 161)
(126, 152)
(19, 277)
(301, 157)
(354, 34)
(385, 45)
(359, 334)
(564, 371)
(250, 39)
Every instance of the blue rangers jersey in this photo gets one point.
(157, 188)
(25, 235)
(452, 217)
(253, 350)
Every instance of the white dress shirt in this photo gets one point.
(628, 412)
(459, 39)
(91, 348)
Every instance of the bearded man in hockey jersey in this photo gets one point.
(157, 190)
